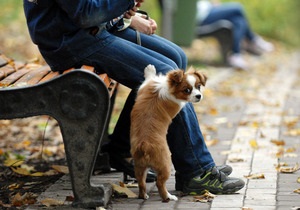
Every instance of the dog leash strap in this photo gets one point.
(138, 38)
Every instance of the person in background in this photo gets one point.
(209, 12)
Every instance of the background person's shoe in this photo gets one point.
(226, 169)
(262, 44)
(238, 62)
(214, 181)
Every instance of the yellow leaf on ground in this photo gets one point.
(21, 171)
(211, 142)
(253, 144)
(25, 199)
(297, 191)
(37, 174)
(236, 160)
(204, 198)
(255, 176)
(293, 132)
(213, 111)
(290, 150)
(246, 208)
(255, 124)
(124, 190)
(13, 162)
(278, 142)
(289, 169)
(298, 180)
(279, 165)
(61, 169)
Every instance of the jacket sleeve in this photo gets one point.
(88, 13)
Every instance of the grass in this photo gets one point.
(276, 19)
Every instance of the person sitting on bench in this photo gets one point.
(74, 32)
(209, 12)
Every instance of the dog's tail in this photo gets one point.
(143, 151)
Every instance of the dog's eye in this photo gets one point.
(198, 87)
(187, 91)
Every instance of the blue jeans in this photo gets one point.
(234, 13)
(125, 61)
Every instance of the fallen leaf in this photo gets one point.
(255, 176)
(236, 160)
(213, 111)
(290, 121)
(298, 180)
(253, 144)
(25, 199)
(279, 165)
(290, 155)
(255, 124)
(124, 190)
(246, 208)
(280, 152)
(129, 185)
(14, 186)
(61, 169)
(289, 169)
(293, 132)
(13, 162)
(297, 191)
(278, 142)
(211, 142)
(206, 197)
(21, 171)
(37, 174)
(290, 150)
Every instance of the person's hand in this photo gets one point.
(133, 10)
(143, 25)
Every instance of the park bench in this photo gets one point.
(222, 31)
(81, 102)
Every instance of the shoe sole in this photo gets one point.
(189, 191)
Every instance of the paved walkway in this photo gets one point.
(252, 120)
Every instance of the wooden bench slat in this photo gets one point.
(9, 80)
(6, 70)
(32, 77)
(49, 76)
(18, 74)
(4, 60)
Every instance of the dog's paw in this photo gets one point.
(149, 71)
(145, 197)
(172, 197)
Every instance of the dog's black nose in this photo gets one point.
(198, 96)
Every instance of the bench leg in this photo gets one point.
(79, 102)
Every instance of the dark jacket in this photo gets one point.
(66, 31)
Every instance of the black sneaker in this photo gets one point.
(226, 169)
(214, 181)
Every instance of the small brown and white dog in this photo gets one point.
(159, 99)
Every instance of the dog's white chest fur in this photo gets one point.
(161, 85)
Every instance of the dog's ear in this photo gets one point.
(176, 76)
(191, 70)
(202, 77)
